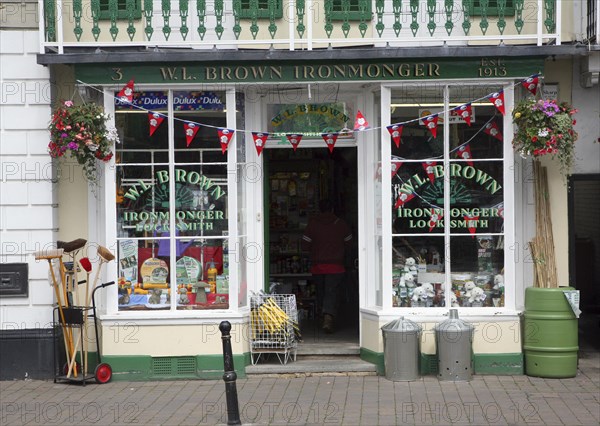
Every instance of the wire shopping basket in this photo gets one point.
(274, 326)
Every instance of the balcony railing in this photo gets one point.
(296, 24)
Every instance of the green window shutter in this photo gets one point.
(263, 9)
(492, 9)
(121, 10)
(337, 11)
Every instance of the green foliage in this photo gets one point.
(80, 131)
(545, 127)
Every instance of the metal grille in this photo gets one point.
(174, 366)
(274, 326)
(162, 366)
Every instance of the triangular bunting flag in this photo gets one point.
(154, 120)
(190, 131)
(493, 130)
(294, 139)
(498, 100)
(225, 136)
(396, 133)
(436, 215)
(464, 152)
(471, 224)
(361, 122)
(126, 93)
(403, 199)
(464, 111)
(428, 167)
(260, 139)
(395, 167)
(531, 83)
(431, 123)
(330, 139)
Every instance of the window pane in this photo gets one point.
(418, 201)
(143, 274)
(417, 142)
(418, 271)
(477, 132)
(476, 197)
(477, 270)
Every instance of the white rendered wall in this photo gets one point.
(27, 212)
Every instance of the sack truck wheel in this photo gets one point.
(103, 373)
(77, 366)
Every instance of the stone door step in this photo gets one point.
(333, 365)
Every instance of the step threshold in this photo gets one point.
(314, 366)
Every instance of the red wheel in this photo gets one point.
(103, 373)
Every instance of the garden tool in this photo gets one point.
(87, 266)
(49, 255)
(71, 248)
(105, 257)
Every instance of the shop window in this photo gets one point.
(447, 200)
(263, 10)
(477, 7)
(354, 10)
(172, 204)
(122, 12)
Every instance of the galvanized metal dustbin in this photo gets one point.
(401, 350)
(454, 341)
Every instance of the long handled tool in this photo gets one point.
(105, 257)
(50, 255)
(87, 266)
(71, 249)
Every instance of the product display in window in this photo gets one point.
(418, 272)
(201, 274)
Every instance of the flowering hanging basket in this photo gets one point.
(545, 127)
(80, 131)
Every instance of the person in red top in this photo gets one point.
(326, 237)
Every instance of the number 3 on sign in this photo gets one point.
(117, 74)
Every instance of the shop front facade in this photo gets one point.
(241, 208)
(225, 153)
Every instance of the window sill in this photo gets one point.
(177, 317)
(439, 314)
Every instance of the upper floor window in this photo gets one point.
(122, 9)
(492, 7)
(261, 7)
(354, 10)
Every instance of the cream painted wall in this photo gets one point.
(72, 187)
(559, 71)
(171, 340)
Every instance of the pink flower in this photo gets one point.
(68, 103)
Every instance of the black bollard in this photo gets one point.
(229, 377)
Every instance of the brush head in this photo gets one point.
(86, 264)
(48, 254)
(105, 254)
(70, 246)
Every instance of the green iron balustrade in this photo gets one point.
(340, 21)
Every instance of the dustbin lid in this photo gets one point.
(401, 325)
(454, 323)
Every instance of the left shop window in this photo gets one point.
(172, 203)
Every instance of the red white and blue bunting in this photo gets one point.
(361, 124)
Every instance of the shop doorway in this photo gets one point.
(295, 183)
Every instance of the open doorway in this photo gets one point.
(296, 183)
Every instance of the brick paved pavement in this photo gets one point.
(336, 400)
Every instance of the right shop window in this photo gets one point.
(447, 199)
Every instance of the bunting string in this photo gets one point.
(125, 95)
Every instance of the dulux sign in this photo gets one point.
(182, 101)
